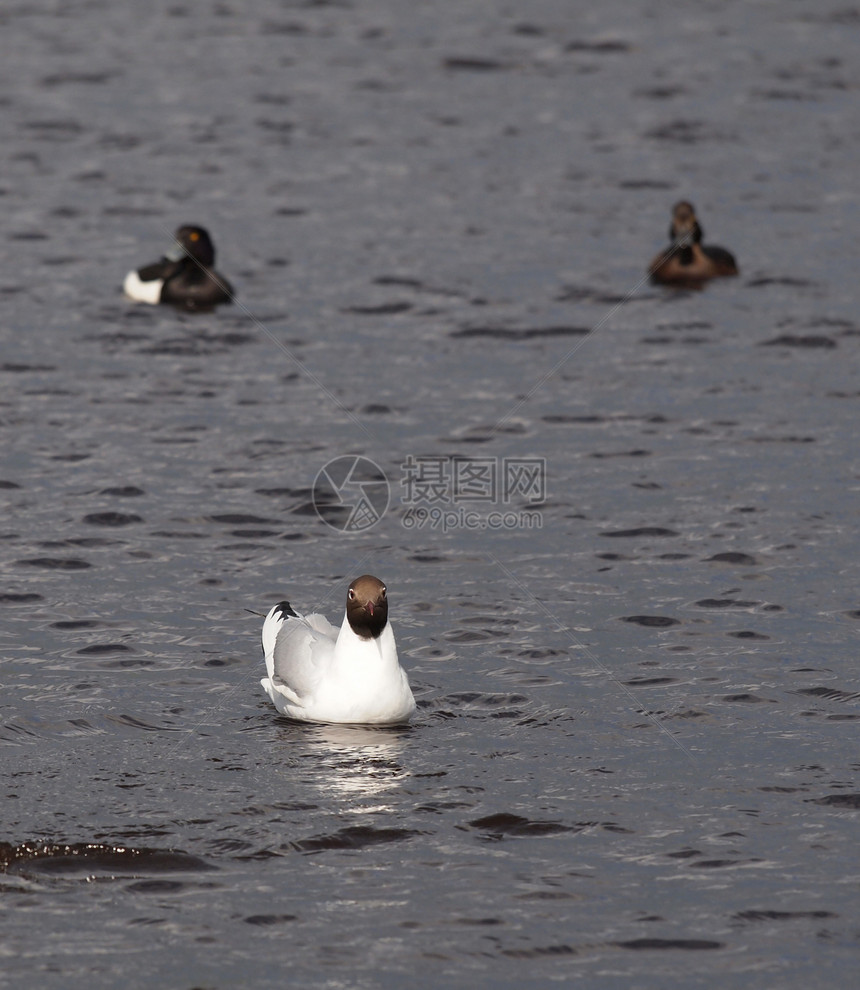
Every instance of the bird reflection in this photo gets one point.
(350, 761)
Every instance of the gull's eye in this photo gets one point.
(351, 595)
(382, 593)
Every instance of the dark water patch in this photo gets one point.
(375, 409)
(651, 621)
(334, 515)
(129, 721)
(725, 603)
(541, 952)
(157, 887)
(800, 340)
(747, 634)
(429, 558)
(254, 534)
(176, 534)
(473, 63)
(95, 541)
(746, 698)
(608, 47)
(654, 93)
(799, 283)
(850, 802)
(102, 649)
(55, 563)
(579, 420)
(12, 732)
(661, 341)
(770, 915)
(731, 557)
(8, 486)
(684, 854)
(467, 636)
(669, 944)
(650, 681)
(77, 78)
(129, 663)
(265, 920)
(524, 333)
(505, 825)
(303, 493)
(354, 837)
(853, 613)
(97, 860)
(383, 309)
(59, 261)
(54, 130)
(581, 293)
(14, 368)
(416, 285)
(722, 864)
(682, 132)
(123, 491)
(528, 30)
(405, 282)
(829, 694)
(111, 519)
(222, 662)
(19, 598)
(653, 531)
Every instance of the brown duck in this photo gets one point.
(687, 261)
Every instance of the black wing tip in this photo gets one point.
(285, 610)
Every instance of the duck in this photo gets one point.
(687, 261)
(318, 673)
(184, 277)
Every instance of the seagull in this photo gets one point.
(317, 673)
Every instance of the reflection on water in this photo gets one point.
(349, 761)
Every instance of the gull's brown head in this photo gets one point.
(367, 606)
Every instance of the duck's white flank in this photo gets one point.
(146, 292)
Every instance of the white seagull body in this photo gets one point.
(317, 673)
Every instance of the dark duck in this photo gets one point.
(184, 277)
(687, 261)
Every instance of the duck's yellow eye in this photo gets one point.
(194, 236)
